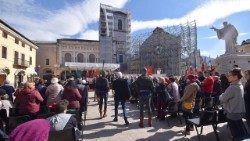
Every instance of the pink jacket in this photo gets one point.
(28, 101)
(73, 96)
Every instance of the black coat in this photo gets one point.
(162, 93)
(217, 89)
(121, 88)
(247, 99)
(102, 84)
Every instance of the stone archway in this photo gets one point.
(19, 77)
(68, 57)
(80, 57)
(91, 58)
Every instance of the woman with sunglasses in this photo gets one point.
(233, 103)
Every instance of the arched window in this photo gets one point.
(67, 57)
(80, 57)
(91, 58)
(119, 24)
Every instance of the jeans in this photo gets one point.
(103, 97)
(145, 99)
(237, 128)
(123, 103)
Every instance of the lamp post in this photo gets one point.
(56, 68)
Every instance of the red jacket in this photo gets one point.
(207, 85)
(28, 101)
(73, 96)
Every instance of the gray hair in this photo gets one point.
(119, 74)
(6, 82)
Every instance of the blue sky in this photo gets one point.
(52, 19)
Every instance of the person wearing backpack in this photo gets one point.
(122, 93)
(163, 97)
(102, 89)
(145, 88)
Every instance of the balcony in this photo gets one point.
(21, 63)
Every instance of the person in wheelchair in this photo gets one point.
(62, 120)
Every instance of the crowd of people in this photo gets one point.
(58, 98)
(154, 93)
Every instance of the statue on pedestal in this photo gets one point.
(228, 33)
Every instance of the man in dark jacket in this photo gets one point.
(145, 87)
(122, 93)
(83, 89)
(102, 89)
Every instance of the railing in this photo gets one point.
(21, 62)
(74, 60)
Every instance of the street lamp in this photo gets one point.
(56, 67)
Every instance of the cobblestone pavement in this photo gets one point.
(106, 130)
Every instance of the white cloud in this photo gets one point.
(204, 53)
(205, 15)
(215, 36)
(210, 37)
(243, 34)
(39, 23)
(44, 24)
(90, 35)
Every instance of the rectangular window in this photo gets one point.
(16, 57)
(120, 58)
(47, 61)
(5, 34)
(22, 59)
(23, 44)
(4, 52)
(16, 41)
(110, 23)
(30, 60)
(109, 17)
(30, 48)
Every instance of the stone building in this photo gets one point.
(163, 51)
(69, 56)
(245, 46)
(114, 34)
(134, 65)
(47, 58)
(17, 56)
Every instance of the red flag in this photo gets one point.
(149, 70)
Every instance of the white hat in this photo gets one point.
(84, 81)
(119, 74)
(71, 78)
(54, 80)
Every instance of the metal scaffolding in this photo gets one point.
(187, 32)
(188, 41)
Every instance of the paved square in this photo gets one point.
(106, 130)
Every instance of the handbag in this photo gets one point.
(187, 105)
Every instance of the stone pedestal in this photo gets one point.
(226, 62)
